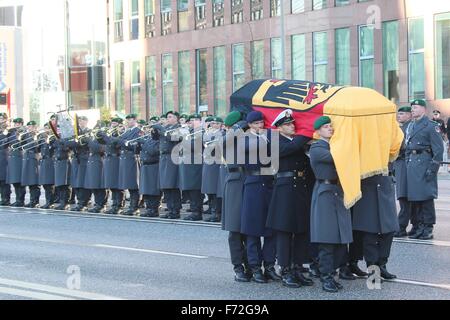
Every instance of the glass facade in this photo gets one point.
(120, 85)
(167, 83)
(416, 48)
(134, 19)
(150, 81)
(183, 15)
(184, 82)
(366, 57)
(391, 61)
(320, 53)
(238, 66)
(135, 87)
(220, 81)
(275, 58)
(298, 45)
(257, 54)
(343, 59)
(442, 56)
(118, 20)
(202, 78)
(297, 6)
(319, 4)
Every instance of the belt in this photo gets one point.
(147, 163)
(290, 174)
(326, 181)
(237, 169)
(420, 151)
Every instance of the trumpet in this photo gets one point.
(195, 133)
(175, 129)
(29, 145)
(127, 143)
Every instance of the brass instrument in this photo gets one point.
(195, 133)
(175, 129)
(47, 141)
(19, 133)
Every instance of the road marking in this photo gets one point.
(56, 290)
(101, 245)
(31, 294)
(151, 251)
(438, 243)
(422, 284)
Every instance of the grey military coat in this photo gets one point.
(128, 165)
(399, 167)
(168, 170)
(111, 162)
(46, 164)
(190, 168)
(149, 174)
(3, 158)
(30, 164)
(330, 221)
(211, 168)
(14, 173)
(94, 167)
(62, 164)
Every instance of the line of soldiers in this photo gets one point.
(111, 160)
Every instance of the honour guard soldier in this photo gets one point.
(190, 168)
(232, 198)
(211, 169)
(61, 162)
(255, 203)
(168, 170)
(30, 166)
(290, 205)
(149, 173)
(94, 180)
(424, 151)
(14, 175)
(128, 165)
(331, 224)
(184, 118)
(5, 189)
(47, 169)
(111, 165)
(399, 168)
(80, 157)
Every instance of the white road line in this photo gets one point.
(100, 245)
(422, 284)
(31, 294)
(438, 243)
(151, 251)
(56, 290)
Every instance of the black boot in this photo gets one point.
(314, 270)
(401, 233)
(96, 209)
(63, 199)
(353, 267)
(416, 232)
(328, 283)
(194, 216)
(112, 210)
(270, 273)
(427, 233)
(79, 208)
(383, 270)
(258, 275)
(301, 278)
(345, 273)
(240, 275)
(288, 278)
(134, 205)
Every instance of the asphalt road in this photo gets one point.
(55, 255)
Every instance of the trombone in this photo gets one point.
(29, 145)
(175, 129)
(195, 133)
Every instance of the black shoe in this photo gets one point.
(258, 277)
(130, 212)
(427, 233)
(400, 234)
(353, 267)
(96, 209)
(329, 285)
(338, 285)
(46, 205)
(173, 216)
(17, 204)
(112, 210)
(271, 274)
(385, 274)
(346, 274)
(416, 233)
(193, 217)
(79, 208)
(240, 275)
(5, 203)
(164, 216)
(302, 279)
(32, 205)
(289, 279)
(314, 270)
(61, 207)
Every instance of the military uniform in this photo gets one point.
(30, 171)
(5, 189)
(47, 172)
(424, 150)
(14, 174)
(94, 179)
(61, 160)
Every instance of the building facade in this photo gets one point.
(190, 55)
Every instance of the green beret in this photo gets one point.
(18, 120)
(131, 116)
(404, 109)
(155, 118)
(31, 123)
(184, 116)
(232, 118)
(209, 119)
(142, 122)
(163, 116)
(419, 102)
(217, 119)
(321, 121)
(176, 114)
(118, 120)
(195, 116)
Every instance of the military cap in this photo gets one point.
(18, 120)
(195, 116)
(232, 118)
(436, 112)
(163, 116)
(3, 114)
(419, 102)
(31, 123)
(209, 119)
(404, 109)
(142, 122)
(53, 116)
(84, 118)
(176, 114)
(283, 118)
(155, 118)
(117, 119)
(254, 116)
(321, 122)
(217, 119)
(184, 116)
(131, 116)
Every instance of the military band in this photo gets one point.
(291, 218)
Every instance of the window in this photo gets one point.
(134, 20)
(416, 59)
(257, 53)
(238, 66)
(119, 76)
(340, 3)
(275, 8)
(118, 20)
(202, 78)
(220, 81)
(200, 14)
(150, 81)
(443, 56)
(256, 10)
(167, 83)
(298, 47)
(183, 15)
(237, 11)
(297, 6)
(7, 16)
(319, 4)
(320, 48)
(366, 57)
(276, 56)
(166, 17)
(19, 11)
(342, 47)
(218, 11)
(391, 60)
(149, 12)
(135, 87)
(184, 82)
